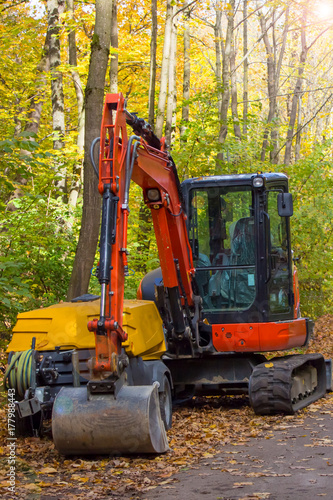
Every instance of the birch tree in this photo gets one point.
(72, 59)
(186, 72)
(233, 84)
(162, 97)
(170, 122)
(55, 8)
(225, 98)
(152, 68)
(245, 69)
(274, 59)
(114, 53)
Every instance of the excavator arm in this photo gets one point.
(143, 159)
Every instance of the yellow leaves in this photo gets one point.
(241, 485)
(48, 470)
(182, 461)
(32, 487)
(43, 484)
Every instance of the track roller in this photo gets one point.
(104, 424)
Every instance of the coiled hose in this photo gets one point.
(19, 372)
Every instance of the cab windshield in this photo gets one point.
(222, 235)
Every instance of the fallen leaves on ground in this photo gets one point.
(200, 430)
(322, 338)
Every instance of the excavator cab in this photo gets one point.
(241, 247)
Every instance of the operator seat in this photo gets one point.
(243, 253)
(243, 243)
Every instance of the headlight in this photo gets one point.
(153, 195)
(258, 182)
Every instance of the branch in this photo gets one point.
(13, 4)
(259, 40)
(247, 17)
(184, 8)
(305, 124)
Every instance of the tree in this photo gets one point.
(94, 96)
(54, 9)
(226, 54)
(186, 71)
(114, 45)
(245, 69)
(273, 77)
(72, 60)
(152, 68)
(170, 122)
(233, 83)
(162, 97)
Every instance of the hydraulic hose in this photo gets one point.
(92, 159)
(18, 375)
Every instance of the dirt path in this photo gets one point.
(294, 460)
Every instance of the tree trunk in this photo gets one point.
(152, 70)
(271, 87)
(54, 9)
(245, 70)
(114, 45)
(143, 237)
(233, 84)
(94, 97)
(218, 60)
(296, 95)
(72, 59)
(170, 122)
(274, 65)
(164, 70)
(299, 128)
(186, 74)
(226, 52)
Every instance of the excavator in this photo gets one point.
(106, 371)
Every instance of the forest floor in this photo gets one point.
(219, 449)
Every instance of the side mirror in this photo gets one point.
(285, 204)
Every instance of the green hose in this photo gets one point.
(18, 373)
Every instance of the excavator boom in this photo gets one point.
(109, 416)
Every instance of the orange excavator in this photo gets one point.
(107, 370)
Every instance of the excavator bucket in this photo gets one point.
(104, 424)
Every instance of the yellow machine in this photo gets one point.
(50, 332)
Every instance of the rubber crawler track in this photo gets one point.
(271, 382)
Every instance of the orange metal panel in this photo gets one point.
(259, 337)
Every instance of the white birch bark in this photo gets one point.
(170, 122)
(152, 69)
(164, 70)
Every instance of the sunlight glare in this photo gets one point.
(325, 10)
